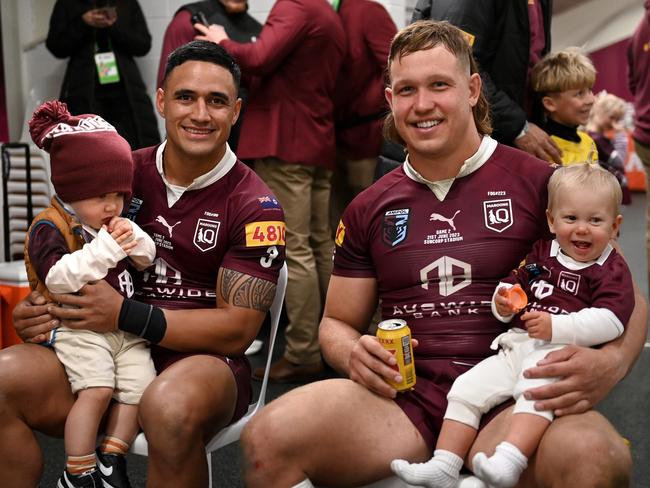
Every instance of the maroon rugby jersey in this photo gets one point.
(234, 223)
(556, 289)
(437, 263)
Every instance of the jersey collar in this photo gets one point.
(570, 263)
(441, 188)
(175, 192)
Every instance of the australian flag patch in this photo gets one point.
(268, 202)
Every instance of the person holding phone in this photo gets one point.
(233, 16)
(100, 38)
(101, 17)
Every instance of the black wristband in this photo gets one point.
(143, 320)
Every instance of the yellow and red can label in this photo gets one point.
(395, 336)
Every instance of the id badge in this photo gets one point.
(107, 68)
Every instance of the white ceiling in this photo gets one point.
(594, 24)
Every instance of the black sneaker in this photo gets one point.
(89, 479)
(113, 470)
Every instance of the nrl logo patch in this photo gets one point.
(395, 226)
(134, 208)
(205, 234)
(498, 214)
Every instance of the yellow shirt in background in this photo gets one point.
(577, 152)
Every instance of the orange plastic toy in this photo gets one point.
(517, 297)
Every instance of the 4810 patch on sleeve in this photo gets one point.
(267, 233)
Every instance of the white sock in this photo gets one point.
(441, 471)
(304, 484)
(466, 481)
(503, 468)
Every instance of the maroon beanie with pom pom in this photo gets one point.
(88, 157)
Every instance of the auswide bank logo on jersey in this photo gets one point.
(498, 214)
(541, 289)
(451, 275)
(126, 283)
(205, 234)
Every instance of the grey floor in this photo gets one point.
(626, 406)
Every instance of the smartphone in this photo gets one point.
(199, 18)
(108, 11)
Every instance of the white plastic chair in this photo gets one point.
(230, 434)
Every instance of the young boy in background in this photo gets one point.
(79, 239)
(578, 287)
(563, 81)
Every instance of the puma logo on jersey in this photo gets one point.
(442, 218)
(170, 228)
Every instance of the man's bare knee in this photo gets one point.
(583, 451)
(271, 455)
(33, 385)
(261, 444)
(167, 417)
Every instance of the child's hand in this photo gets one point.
(122, 231)
(538, 325)
(501, 302)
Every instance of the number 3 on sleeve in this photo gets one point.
(272, 253)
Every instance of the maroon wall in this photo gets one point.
(611, 64)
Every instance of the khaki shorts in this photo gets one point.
(117, 360)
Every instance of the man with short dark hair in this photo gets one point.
(213, 276)
(233, 16)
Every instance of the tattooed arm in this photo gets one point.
(242, 303)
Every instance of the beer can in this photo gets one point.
(395, 336)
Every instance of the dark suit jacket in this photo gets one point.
(295, 60)
(501, 46)
(240, 27)
(359, 99)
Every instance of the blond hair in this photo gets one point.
(609, 104)
(586, 177)
(563, 70)
(427, 34)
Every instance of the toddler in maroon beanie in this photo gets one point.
(81, 238)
